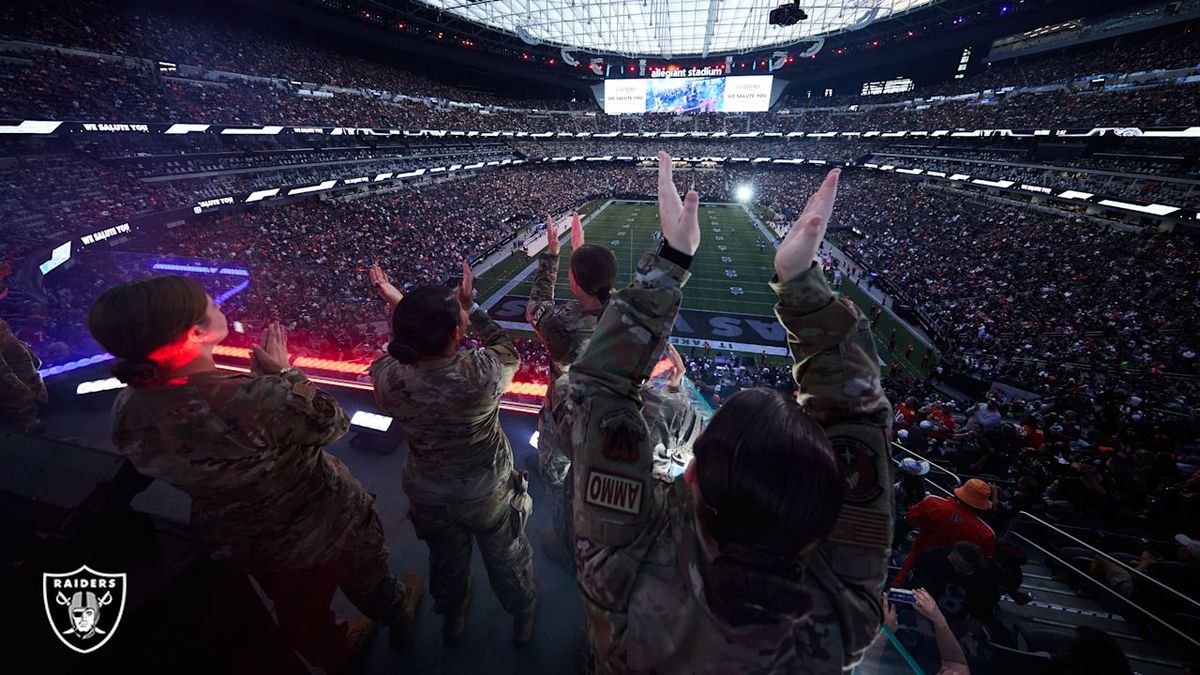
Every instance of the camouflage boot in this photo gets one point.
(401, 626)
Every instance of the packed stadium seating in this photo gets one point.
(1080, 323)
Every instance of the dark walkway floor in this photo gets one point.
(559, 642)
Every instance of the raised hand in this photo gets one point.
(551, 235)
(679, 217)
(271, 356)
(466, 288)
(383, 286)
(576, 231)
(799, 248)
(678, 369)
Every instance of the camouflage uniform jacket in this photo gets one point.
(565, 328)
(248, 450)
(21, 387)
(450, 408)
(642, 565)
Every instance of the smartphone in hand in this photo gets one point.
(902, 596)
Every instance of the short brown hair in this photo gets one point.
(135, 319)
(595, 270)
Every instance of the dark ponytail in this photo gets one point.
(136, 373)
(595, 270)
(133, 321)
(424, 323)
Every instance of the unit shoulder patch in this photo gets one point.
(858, 469)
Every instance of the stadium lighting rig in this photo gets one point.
(745, 193)
(788, 15)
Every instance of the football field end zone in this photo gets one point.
(722, 331)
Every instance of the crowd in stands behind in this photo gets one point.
(83, 88)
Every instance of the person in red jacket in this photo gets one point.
(945, 522)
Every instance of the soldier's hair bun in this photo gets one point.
(136, 373)
(754, 588)
(595, 270)
(402, 352)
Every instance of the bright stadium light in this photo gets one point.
(744, 193)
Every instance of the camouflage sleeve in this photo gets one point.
(294, 410)
(21, 387)
(22, 361)
(614, 485)
(497, 343)
(837, 368)
(541, 296)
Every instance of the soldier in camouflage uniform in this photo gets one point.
(688, 577)
(248, 450)
(21, 387)
(459, 474)
(566, 329)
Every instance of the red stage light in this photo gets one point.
(537, 389)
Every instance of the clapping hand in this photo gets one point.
(552, 235)
(678, 369)
(466, 288)
(679, 217)
(799, 248)
(271, 356)
(576, 231)
(383, 286)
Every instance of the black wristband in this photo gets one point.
(668, 252)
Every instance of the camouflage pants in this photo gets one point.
(449, 530)
(302, 597)
(555, 468)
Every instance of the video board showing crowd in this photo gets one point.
(675, 95)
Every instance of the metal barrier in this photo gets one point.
(1083, 574)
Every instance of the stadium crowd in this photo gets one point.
(73, 87)
(1083, 336)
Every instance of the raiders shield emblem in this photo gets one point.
(84, 607)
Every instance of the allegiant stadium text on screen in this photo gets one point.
(748, 93)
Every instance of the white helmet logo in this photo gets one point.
(84, 607)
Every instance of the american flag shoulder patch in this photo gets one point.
(858, 526)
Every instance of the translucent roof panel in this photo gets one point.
(667, 28)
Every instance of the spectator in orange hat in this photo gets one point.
(943, 522)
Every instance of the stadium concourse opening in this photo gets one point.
(462, 337)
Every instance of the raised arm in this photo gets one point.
(614, 484)
(837, 368)
(497, 343)
(631, 334)
(541, 295)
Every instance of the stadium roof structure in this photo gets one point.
(669, 28)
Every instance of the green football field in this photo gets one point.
(729, 273)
